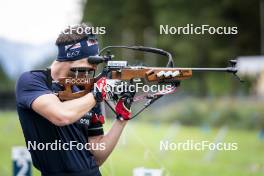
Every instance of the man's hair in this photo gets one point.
(72, 34)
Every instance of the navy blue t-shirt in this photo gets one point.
(30, 86)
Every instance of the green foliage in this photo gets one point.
(6, 84)
(236, 113)
(188, 50)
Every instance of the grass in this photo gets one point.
(139, 147)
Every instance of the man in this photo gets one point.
(45, 119)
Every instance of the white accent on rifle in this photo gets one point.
(160, 74)
(117, 63)
(176, 73)
(168, 74)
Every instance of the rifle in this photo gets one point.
(119, 70)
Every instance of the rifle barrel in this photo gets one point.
(227, 69)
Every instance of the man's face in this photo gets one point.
(63, 68)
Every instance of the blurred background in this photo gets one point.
(209, 106)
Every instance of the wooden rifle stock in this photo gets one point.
(150, 74)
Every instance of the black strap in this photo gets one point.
(49, 78)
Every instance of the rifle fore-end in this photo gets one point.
(150, 74)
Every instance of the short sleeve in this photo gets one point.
(30, 86)
(95, 129)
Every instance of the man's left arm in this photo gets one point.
(123, 112)
(109, 141)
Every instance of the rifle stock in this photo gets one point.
(149, 74)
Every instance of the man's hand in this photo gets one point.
(99, 90)
(123, 106)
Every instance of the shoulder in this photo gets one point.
(31, 85)
(32, 80)
(31, 76)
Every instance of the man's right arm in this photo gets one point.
(32, 92)
(63, 113)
